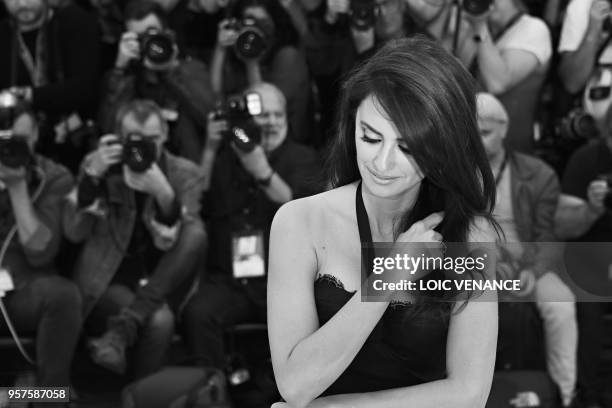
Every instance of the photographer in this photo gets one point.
(438, 18)
(513, 53)
(527, 191)
(136, 209)
(32, 189)
(148, 66)
(244, 193)
(51, 57)
(586, 54)
(584, 217)
(259, 43)
(346, 34)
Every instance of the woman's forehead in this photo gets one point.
(373, 114)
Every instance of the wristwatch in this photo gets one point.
(265, 182)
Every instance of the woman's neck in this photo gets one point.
(385, 213)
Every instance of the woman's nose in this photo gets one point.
(385, 158)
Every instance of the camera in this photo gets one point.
(476, 7)
(157, 47)
(253, 39)
(139, 153)
(238, 111)
(577, 125)
(362, 14)
(14, 149)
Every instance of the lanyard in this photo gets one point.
(35, 67)
(502, 167)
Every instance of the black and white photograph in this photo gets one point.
(306, 203)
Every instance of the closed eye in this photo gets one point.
(404, 149)
(368, 139)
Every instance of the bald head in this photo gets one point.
(267, 91)
(490, 108)
(273, 117)
(492, 124)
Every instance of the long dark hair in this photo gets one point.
(431, 100)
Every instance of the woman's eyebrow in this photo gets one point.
(370, 128)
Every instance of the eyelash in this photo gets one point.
(367, 139)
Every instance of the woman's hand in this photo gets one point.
(423, 231)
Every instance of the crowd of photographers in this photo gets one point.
(167, 133)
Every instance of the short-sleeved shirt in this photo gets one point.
(588, 163)
(528, 34)
(575, 26)
(574, 29)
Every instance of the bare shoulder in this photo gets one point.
(322, 210)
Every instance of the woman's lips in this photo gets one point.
(380, 178)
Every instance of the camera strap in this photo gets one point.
(515, 18)
(36, 66)
(501, 170)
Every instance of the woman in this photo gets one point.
(282, 63)
(407, 146)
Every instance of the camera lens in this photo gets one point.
(252, 42)
(158, 48)
(139, 154)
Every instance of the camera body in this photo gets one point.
(362, 14)
(238, 111)
(476, 7)
(157, 47)
(253, 39)
(577, 126)
(14, 149)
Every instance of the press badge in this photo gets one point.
(6, 281)
(248, 255)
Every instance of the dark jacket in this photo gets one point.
(535, 192)
(108, 228)
(47, 189)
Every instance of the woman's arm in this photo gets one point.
(308, 358)
(471, 348)
(471, 345)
